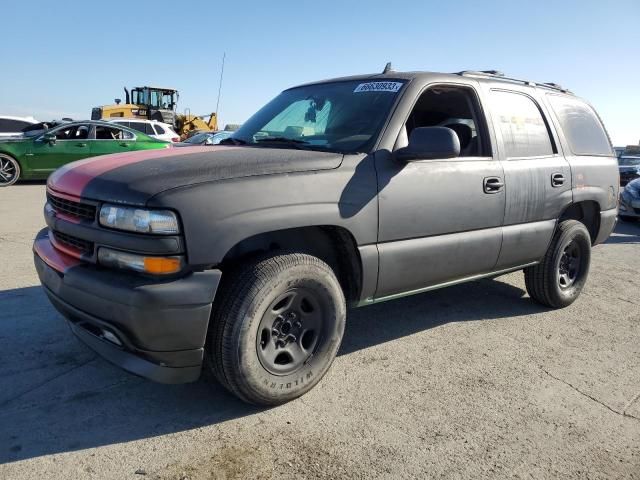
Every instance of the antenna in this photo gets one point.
(387, 68)
(220, 85)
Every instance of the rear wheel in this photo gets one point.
(276, 327)
(9, 170)
(558, 280)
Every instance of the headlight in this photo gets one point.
(140, 263)
(139, 220)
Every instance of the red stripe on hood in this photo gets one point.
(74, 177)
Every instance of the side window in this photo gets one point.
(66, 133)
(125, 135)
(73, 132)
(112, 133)
(452, 107)
(159, 130)
(524, 130)
(139, 126)
(11, 126)
(581, 126)
(148, 129)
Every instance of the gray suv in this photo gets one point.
(243, 257)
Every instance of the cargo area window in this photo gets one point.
(524, 130)
(581, 126)
(453, 107)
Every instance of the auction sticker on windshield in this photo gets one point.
(378, 87)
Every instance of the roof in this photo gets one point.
(22, 119)
(481, 76)
(138, 120)
(157, 88)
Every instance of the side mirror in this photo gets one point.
(426, 143)
(209, 141)
(49, 137)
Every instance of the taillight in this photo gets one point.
(175, 139)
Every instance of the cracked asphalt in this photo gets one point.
(468, 382)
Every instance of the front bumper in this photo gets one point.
(629, 209)
(155, 328)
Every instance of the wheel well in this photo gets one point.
(334, 245)
(588, 213)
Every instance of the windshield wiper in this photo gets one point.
(232, 141)
(293, 142)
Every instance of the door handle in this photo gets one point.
(492, 184)
(124, 144)
(81, 144)
(557, 180)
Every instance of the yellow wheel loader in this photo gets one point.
(155, 103)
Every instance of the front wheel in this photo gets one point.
(276, 327)
(9, 170)
(559, 278)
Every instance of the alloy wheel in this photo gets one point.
(8, 170)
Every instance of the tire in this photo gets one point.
(559, 278)
(9, 170)
(276, 327)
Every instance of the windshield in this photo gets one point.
(340, 117)
(198, 138)
(629, 161)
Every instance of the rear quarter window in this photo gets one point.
(582, 128)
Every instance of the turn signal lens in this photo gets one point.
(139, 263)
(162, 265)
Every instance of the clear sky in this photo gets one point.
(62, 58)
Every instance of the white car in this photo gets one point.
(12, 126)
(153, 128)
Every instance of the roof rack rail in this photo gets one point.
(490, 73)
(493, 73)
(555, 86)
(500, 75)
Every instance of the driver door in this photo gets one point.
(71, 144)
(440, 219)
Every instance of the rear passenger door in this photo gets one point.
(537, 176)
(111, 139)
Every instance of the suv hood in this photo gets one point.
(134, 178)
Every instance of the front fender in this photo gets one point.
(216, 216)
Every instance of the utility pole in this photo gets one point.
(220, 88)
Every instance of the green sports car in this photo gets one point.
(37, 153)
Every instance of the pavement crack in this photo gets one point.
(628, 405)
(594, 399)
(41, 384)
